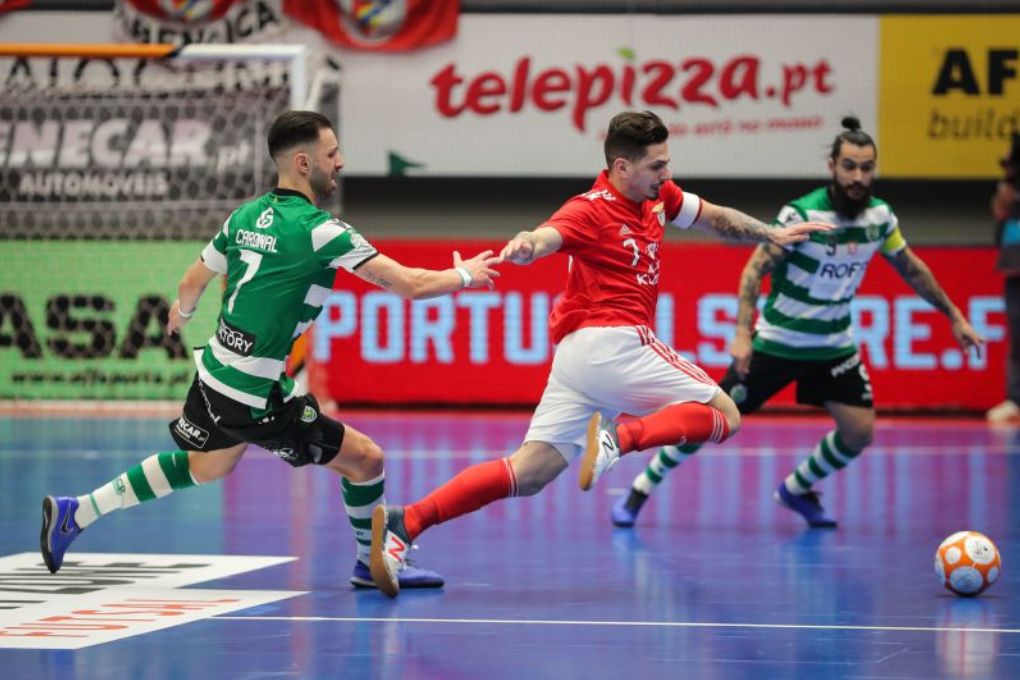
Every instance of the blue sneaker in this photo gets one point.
(806, 505)
(626, 508)
(408, 577)
(58, 529)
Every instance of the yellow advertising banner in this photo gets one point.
(949, 95)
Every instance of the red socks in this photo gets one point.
(688, 423)
(469, 490)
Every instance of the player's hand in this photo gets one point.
(784, 236)
(480, 268)
(519, 250)
(966, 336)
(174, 320)
(740, 350)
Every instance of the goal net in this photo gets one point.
(117, 164)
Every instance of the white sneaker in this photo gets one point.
(389, 548)
(1006, 412)
(601, 452)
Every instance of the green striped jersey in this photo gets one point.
(807, 312)
(280, 254)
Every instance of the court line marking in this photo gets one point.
(635, 624)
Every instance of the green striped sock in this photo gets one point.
(830, 455)
(360, 499)
(156, 476)
(665, 460)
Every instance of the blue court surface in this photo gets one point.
(716, 581)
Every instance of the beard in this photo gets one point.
(321, 183)
(847, 205)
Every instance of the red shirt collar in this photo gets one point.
(603, 183)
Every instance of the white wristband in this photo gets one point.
(465, 275)
(183, 314)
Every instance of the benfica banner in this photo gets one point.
(379, 25)
(485, 347)
(10, 5)
(385, 25)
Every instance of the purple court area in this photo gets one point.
(716, 581)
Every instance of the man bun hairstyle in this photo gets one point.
(630, 133)
(293, 128)
(852, 134)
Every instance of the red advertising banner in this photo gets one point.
(493, 347)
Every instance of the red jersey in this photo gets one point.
(614, 245)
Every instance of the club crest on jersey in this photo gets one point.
(872, 232)
(308, 415)
(738, 393)
(660, 213)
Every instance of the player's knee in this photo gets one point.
(370, 459)
(725, 405)
(207, 467)
(858, 437)
(534, 466)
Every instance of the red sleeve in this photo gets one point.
(574, 222)
(673, 197)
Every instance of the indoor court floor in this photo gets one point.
(248, 578)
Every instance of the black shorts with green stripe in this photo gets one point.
(843, 380)
(295, 431)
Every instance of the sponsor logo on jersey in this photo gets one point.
(624, 230)
(840, 270)
(265, 219)
(191, 433)
(234, 339)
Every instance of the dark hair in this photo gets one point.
(853, 134)
(292, 128)
(631, 132)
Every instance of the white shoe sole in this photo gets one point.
(586, 475)
(377, 561)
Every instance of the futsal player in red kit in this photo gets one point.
(607, 359)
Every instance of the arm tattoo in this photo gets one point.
(915, 272)
(378, 280)
(736, 226)
(762, 263)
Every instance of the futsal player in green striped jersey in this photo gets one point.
(279, 254)
(804, 333)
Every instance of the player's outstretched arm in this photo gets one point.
(416, 284)
(916, 273)
(734, 225)
(529, 246)
(189, 291)
(761, 263)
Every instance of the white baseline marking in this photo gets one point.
(635, 624)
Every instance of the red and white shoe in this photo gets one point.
(390, 547)
(601, 453)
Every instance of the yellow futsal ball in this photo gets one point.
(967, 563)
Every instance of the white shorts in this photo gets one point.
(619, 369)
